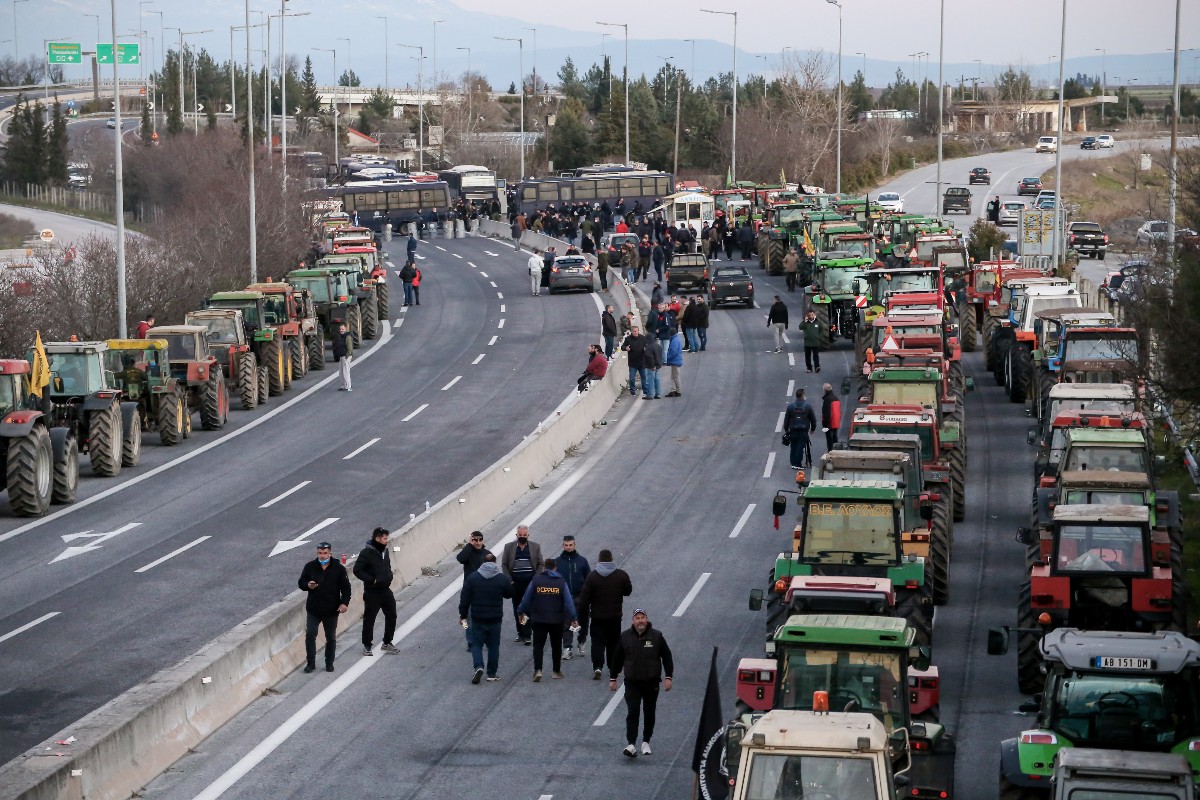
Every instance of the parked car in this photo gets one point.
(1155, 232)
(1088, 238)
(957, 198)
(890, 201)
(1010, 212)
(979, 175)
(1105, 140)
(731, 284)
(1047, 144)
(1113, 280)
(112, 122)
(571, 272)
(687, 271)
(1029, 186)
(1088, 143)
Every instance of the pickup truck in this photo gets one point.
(687, 270)
(1088, 239)
(732, 284)
(957, 198)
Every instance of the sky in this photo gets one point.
(884, 32)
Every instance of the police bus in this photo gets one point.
(648, 187)
(375, 203)
(474, 183)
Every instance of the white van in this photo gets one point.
(1047, 144)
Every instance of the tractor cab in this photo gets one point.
(14, 380)
(77, 369)
(138, 365)
(1073, 424)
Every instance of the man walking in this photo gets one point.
(574, 569)
(799, 421)
(812, 341)
(535, 273)
(481, 612)
(343, 350)
(702, 322)
(412, 245)
(636, 345)
(674, 360)
(374, 569)
(407, 273)
(328, 588)
(608, 328)
(791, 263)
(520, 561)
(600, 604)
(547, 606)
(831, 416)
(777, 320)
(645, 659)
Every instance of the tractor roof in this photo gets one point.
(906, 374)
(269, 287)
(840, 733)
(307, 273)
(1078, 315)
(177, 330)
(1051, 290)
(1103, 479)
(841, 583)
(851, 459)
(1168, 651)
(1089, 418)
(905, 442)
(243, 295)
(860, 629)
(215, 313)
(75, 347)
(1091, 391)
(14, 366)
(1107, 436)
(895, 414)
(137, 344)
(1095, 513)
(849, 489)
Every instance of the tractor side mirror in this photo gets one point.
(846, 385)
(1025, 536)
(1160, 463)
(110, 378)
(1031, 435)
(857, 287)
(926, 511)
(997, 641)
(734, 733)
(756, 599)
(1031, 706)
(57, 382)
(919, 657)
(970, 384)
(778, 505)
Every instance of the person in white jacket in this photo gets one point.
(535, 273)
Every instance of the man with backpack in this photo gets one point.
(798, 422)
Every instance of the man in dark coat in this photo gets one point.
(574, 569)
(702, 322)
(521, 561)
(374, 569)
(745, 239)
(600, 605)
(473, 554)
(343, 350)
(481, 611)
(608, 329)
(635, 344)
(645, 659)
(799, 421)
(328, 588)
(547, 265)
(547, 605)
(831, 416)
(777, 321)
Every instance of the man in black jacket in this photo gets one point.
(702, 322)
(777, 320)
(600, 605)
(374, 569)
(343, 347)
(635, 344)
(644, 657)
(608, 328)
(481, 612)
(473, 554)
(328, 588)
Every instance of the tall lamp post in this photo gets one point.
(840, 113)
(733, 156)
(521, 49)
(941, 97)
(183, 34)
(1103, 78)
(250, 152)
(434, 60)
(16, 41)
(470, 90)
(864, 72)
(692, 70)
(337, 133)
(533, 89)
(386, 83)
(1058, 188)
(162, 60)
(421, 104)
(625, 26)
(118, 175)
(1172, 177)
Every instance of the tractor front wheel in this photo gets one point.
(213, 405)
(316, 350)
(264, 384)
(370, 318)
(247, 378)
(968, 328)
(299, 357)
(1029, 672)
(30, 472)
(1018, 372)
(66, 473)
(170, 419)
(381, 292)
(131, 441)
(104, 441)
(823, 321)
(273, 358)
(354, 325)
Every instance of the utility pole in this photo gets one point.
(625, 26)
(470, 91)
(678, 101)
(937, 200)
(1058, 187)
(733, 156)
(840, 112)
(250, 154)
(421, 105)
(1172, 177)
(118, 175)
(521, 48)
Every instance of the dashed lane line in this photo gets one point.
(286, 494)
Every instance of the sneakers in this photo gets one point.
(645, 748)
(388, 647)
(582, 649)
(478, 676)
(519, 639)
(329, 667)
(310, 667)
(778, 349)
(537, 676)
(566, 654)
(367, 650)
(493, 678)
(596, 674)
(529, 642)
(630, 751)
(558, 676)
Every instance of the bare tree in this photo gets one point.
(884, 131)
(1136, 135)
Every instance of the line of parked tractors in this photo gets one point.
(1101, 610)
(246, 346)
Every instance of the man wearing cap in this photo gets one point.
(644, 657)
(374, 569)
(328, 588)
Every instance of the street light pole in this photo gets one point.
(840, 112)
(434, 54)
(97, 16)
(17, 43)
(470, 90)
(162, 60)
(521, 66)
(420, 103)
(118, 175)
(1058, 187)
(1103, 78)
(336, 130)
(937, 200)
(533, 89)
(1172, 178)
(864, 72)
(625, 26)
(250, 153)
(232, 71)
(692, 70)
(733, 156)
(386, 83)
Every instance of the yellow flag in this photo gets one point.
(808, 245)
(39, 375)
(782, 177)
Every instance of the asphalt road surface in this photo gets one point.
(457, 382)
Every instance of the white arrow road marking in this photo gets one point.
(291, 544)
(97, 541)
(490, 253)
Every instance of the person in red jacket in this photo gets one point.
(144, 326)
(597, 367)
(831, 416)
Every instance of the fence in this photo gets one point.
(87, 202)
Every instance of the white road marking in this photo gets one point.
(403, 309)
(451, 383)
(791, 359)
(786, 340)
(389, 263)
(741, 523)
(610, 706)
(482, 274)
(360, 449)
(345, 680)
(493, 283)
(456, 255)
(687, 600)
(500, 324)
(500, 295)
(96, 541)
(779, 422)
(439, 247)
(546, 797)
(420, 256)
(791, 390)
(288, 493)
(493, 340)
(490, 253)
(770, 464)
(29, 625)
(421, 408)
(291, 544)
(502, 308)
(478, 358)
(172, 554)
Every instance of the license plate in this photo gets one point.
(1122, 662)
(731, 297)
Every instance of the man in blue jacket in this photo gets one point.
(574, 568)
(481, 611)
(547, 605)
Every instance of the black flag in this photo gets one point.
(708, 759)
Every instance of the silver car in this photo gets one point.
(571, 272)
(1010, 213)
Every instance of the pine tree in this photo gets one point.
(171, 96)
(310, 101)
(57, 146)
(146, 129)
(25, 151)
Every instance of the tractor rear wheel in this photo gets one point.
(316, 350)
(958, 383)
(370, 318)
(214, 403)
(30, 472)
(999, 353)
(276, 368)
(938, 573)
(170, 419)
(131, 441)
(247, 380)
(299, 357)
(104, 441)
(775, 254)
(1018, 372)
(354, 325)
(958, 480)
(822, 310)
(989, 327)
(1029, 672)
(66, 473)
(264, 384)
(968, 328)
(381, 292)
(1046, 382)
(285, 347)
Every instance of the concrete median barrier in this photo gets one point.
(123, 745)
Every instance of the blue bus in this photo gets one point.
(646, 186)
(375, 203)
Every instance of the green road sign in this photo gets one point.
(64, 53)
(126, 53)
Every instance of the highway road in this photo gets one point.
(452, 385)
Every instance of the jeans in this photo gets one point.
(650, 383)
(408, 293)
(519, 587)
(703, 338)
(790, 277)
(799, 453)
(658, 270)
(609, 343)
(665, 344)
(812, 357)
(374, 601)
(693, 338)
(640, 696)
(606, 637)
(417, 294)
(569, 635)
(603, 278)
(485, 634)
(778, 328)
(554, 632)
(634, 374)
(310, 637)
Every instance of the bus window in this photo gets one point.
(428, 197)
(662, 186)
(529, 194)
(585, 190)
(565, 193)
(631, 186)
(408, 199)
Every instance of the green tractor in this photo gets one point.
(333, 299)
(362, 292)
(143, 371)
(268, 344)
(783, 230)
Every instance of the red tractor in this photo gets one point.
(41, 463)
